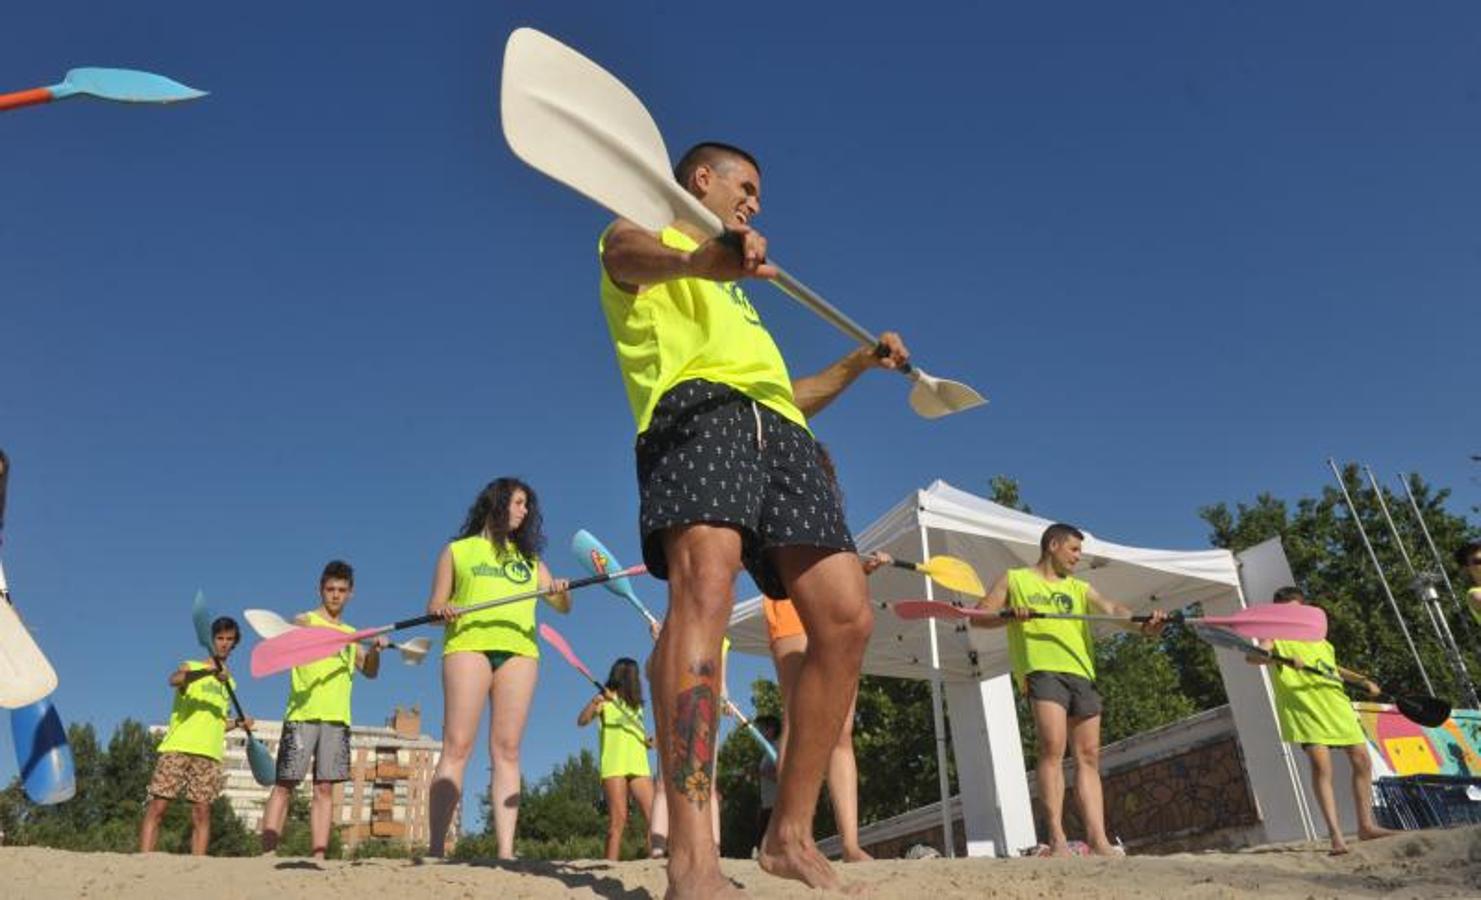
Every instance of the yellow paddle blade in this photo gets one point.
(953, 574)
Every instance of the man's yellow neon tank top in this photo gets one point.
(692, 328)
(482, 573)
(1050, 645)
(320, 691)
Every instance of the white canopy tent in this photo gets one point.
(971, 666)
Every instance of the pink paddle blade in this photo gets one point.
(911, 610)
(554, 639)
(1274, 621)
(300, 646)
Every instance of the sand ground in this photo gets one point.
(1427, 865)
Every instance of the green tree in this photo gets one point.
(563, 816)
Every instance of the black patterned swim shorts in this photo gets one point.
(711, 454)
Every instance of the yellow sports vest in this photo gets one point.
(691, 328)
(1049, 645)
(1312, 709)
(480, 574)
(198, 717)
(320, 690)
(624, 747)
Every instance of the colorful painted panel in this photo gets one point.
(1409, 749)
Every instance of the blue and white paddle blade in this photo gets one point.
(124, 85)
(43, 755)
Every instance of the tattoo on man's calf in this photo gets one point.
(692, 745)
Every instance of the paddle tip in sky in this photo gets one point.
(119, 85)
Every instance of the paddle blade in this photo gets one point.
(554, 639)
(569, 118)
(200, 615)
(953, 574)
(932, 398)
(910, 610)
(43, 756)
(1431, 712)
(300, 646)
(26, 675)
(1274, 621)
(593, 556)
(414, 650)
(264, 769)
(267, 623)
(125, 85)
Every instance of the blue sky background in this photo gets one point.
(1189, 250)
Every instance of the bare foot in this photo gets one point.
(701, 887)
(1107, 849)
(856, 854)
(801, 862)
(1374, 833)
(1059, 849)
(1339, 848)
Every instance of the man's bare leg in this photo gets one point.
(703, 561)
(1085, 737)
(828, 589)
(1051, 723)
(1321, 785)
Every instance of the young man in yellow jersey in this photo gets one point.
(189, 763)
(1054, 663)
(1468, 558)
(1314, 711)
(729, 476)
(316, 726)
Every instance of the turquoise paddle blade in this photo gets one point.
(200, 614)
(124, 85)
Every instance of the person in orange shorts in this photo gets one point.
(788, 644)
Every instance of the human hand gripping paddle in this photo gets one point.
(571, 119)
(554, 639)
(304, 645)
(595, 558)
(259, 758)
(1276, 621)
(269, 624)
(124, 85)
(1421, 709)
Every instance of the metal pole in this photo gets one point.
(1434, 551)
(948, 827)
(1429, 598)
(1393, 604)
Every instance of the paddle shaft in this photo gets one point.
(237, 704)
(31, 97)
(429, 618)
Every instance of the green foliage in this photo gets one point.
(298, 838)
(385, 848)
(1330, 564)
(562, 817)
(111, 793)
(894, 744)
(1139, 686)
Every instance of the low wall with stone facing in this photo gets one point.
(1180, 787)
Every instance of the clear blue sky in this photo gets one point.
(1188, 249)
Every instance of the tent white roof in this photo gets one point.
(994, 538)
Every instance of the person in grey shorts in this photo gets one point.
(316, 726)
